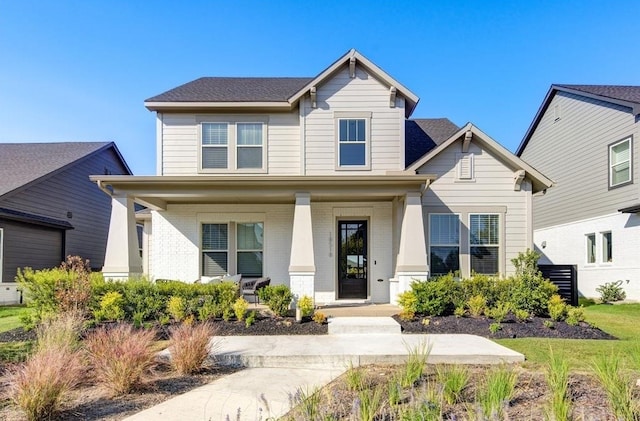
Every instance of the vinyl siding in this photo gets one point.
(72, 191)
(491, 189)
(180, 143)
(362, 93)
(573, 152)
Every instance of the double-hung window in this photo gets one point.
(484, 243)
(215, 249)
(250, 249)
(444, 243)
(237, 144)
(353, 140)
(249, 144)
(620, 170)
(215, 141)
(233, 248)
(607, 247)
(591, 248)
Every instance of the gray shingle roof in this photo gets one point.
(424, 134)
(23, 163)
(620, 92)
(234, 89)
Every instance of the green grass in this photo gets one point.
(621, 321)
(10, 317)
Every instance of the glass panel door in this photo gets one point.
(352, 259)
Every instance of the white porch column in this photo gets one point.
(302, 268)
(412, 252)
(122, 257)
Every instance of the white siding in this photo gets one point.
(180, 143)
(362, 93)
(492, 188)
(573, 152)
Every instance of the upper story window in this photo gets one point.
(620, 169)
(237, 144)
(353, 140)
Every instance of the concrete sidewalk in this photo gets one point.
(278, 366)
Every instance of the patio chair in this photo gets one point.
(251, 288)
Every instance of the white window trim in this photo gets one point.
(500, 245)
(232, 143)
(602, 261)
(232, 239)
(352, 115)
(595, 246)
(203, 250)
(459, 244)
(609, 149)
(238, 250)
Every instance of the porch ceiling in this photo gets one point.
(159, 191)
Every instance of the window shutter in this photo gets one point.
(465, 166)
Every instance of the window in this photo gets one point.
(444, 243)
(607, 248)
(620, 163)
(214, 145)
(250, 243)
(215, 249)
(591, 248)
(249, 145)
(484, 243)
(353, 142)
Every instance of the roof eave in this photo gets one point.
(203, 106)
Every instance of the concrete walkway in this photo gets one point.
(278, 366)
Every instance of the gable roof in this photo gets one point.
(538, 180)
(625, 95)
(24, 163)
(281, 92)
(424, 134)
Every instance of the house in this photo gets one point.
(49, 208)
(322, 183)
(583, 138)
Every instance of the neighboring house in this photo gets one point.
(583, 138)
(48, 206)
(321, 183)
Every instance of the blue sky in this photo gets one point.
(80, 70)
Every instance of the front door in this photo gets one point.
(352, 259)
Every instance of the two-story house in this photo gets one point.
(583, 138)
(322, 183)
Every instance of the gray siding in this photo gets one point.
(29, 245)
(72, 191)
(573, 152)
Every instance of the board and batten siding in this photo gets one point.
(491, 191)
(71, 191)
(363, 93)
(572, 150)
(181, 143)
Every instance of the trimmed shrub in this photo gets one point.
(521, 315)
(436, 297)
(305, 304)
(190, 346)
(277, 297)
(177, 308)
(575, 315)
(611, 291)
(499, 312)
(240, 308)
(110, 307)
(477, 305)
(532, 293)
(557, 308)
(408, 302)
(120, 355)
(319, 317)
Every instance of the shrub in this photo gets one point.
(482, 285)
(177, 308)
(190, 346)
(611, 291)
(532, 293)
(436, 297)
(305, 304)
(60, 331)
(240, 308)
(460, 311)
(120, 355)
(408, 302)
(495, 327)
(548, 324)
(251, 319)
(319, 317)
(499, 312)
(40, 385)
(521, 315)
(557, 308)
(575, 315)
(277, 297)
(75, 294)
(110, 307)
(477, 305)
(142, 300)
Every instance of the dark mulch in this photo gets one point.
(271, 326)
(18, 335)
(534, 328)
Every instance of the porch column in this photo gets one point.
(412, 252)
(302, 268)
(122, 257)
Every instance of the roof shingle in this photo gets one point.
(620, 92)
(424, 134)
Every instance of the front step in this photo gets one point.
(363, 326)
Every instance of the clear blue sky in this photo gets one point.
(80, 70)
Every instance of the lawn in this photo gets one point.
(622, 321)
(10, 317)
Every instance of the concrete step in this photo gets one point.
(363, 326)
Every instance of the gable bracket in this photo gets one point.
(313, 93)
(392, 96)
(467, 141)
(518, 177)
(352, 67)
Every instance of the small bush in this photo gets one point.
(575, 315)
(406, 315)
(305, 304)
(499, 312)
(548, 324)
(460, 311)
(477, 305)
(408, 302)
(277, 297)
(177, 308)
(120, 355)
(557, 308)
(521, 315)
(190, 346)
(532, 293)
(495, 327)
(319, 317)
(611, 291)
(251, 319)
(240, 308)
(40, 385)
(436, 297)
(111, 307)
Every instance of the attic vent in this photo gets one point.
(465, 166)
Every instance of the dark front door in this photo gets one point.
(352, 259)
